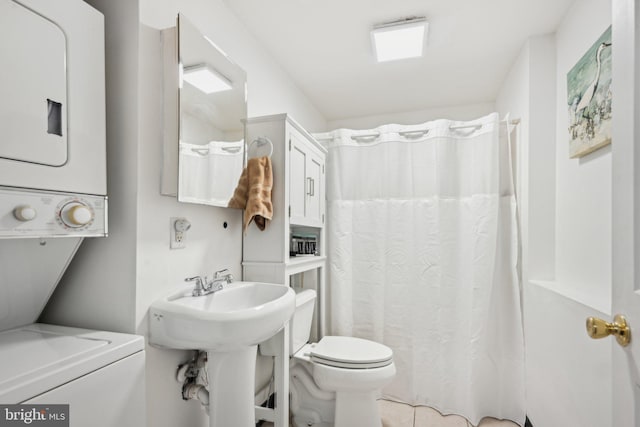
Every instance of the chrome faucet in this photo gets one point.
(199, 289)
(206, 286)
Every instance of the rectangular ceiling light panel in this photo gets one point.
(206, 79)
(399, 40)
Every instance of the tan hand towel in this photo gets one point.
(253, 193)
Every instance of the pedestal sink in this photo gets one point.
(228, 324)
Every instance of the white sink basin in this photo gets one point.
(242, 314)
(229, 324)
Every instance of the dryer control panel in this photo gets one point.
(44, 214)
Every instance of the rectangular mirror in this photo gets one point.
(205, 105)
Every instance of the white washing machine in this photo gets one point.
(99, 374)
(52, 196)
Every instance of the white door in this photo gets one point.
(626, 209)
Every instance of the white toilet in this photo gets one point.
(335, 382)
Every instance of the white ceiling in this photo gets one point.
(325, 47)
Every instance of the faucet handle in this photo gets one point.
(197, 279)
(219, 273)
(224, 275)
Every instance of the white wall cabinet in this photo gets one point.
(306, 181)
(298, 193)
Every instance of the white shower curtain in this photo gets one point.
(208, 173)
(423, 252)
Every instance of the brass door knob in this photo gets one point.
(598, 328)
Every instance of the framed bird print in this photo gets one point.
(589, 99)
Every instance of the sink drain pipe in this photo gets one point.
(189, 375)
(196, 391)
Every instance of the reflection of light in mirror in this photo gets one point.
(205, 79)
(216, 46)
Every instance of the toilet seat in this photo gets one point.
(351, 353)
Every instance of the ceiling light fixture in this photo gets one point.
(400, 39)
(206, 79)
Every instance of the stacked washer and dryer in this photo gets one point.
(52, 196)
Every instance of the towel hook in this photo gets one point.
(259, 142)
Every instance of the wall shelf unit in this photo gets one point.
(291, 250)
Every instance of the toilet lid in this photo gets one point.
(352, 353)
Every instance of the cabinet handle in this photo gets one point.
(311, 186)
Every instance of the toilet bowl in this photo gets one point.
(335, 382)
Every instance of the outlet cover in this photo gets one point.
(178, 232)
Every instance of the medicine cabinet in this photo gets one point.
(205, 103)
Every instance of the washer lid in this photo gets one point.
(38, 358)
(350, 352)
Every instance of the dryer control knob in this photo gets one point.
(75, 214)
(24, 213)
(79, 215)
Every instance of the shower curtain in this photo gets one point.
(423, 250)
(209, 172)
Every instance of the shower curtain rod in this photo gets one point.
(418, 132)
(478, 126)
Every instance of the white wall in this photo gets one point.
(528, 93)
(113, 281)
(565, 210)
(514, 99)
(583, 215)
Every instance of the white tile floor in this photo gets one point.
(400, 415)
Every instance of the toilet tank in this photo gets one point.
(299, 325)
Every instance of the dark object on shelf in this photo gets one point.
(303, 245)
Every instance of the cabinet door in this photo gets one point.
(306, 182)
(315, 166)
(297, 178)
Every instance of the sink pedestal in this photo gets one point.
(231, 378)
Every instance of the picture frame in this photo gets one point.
(589, 99)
